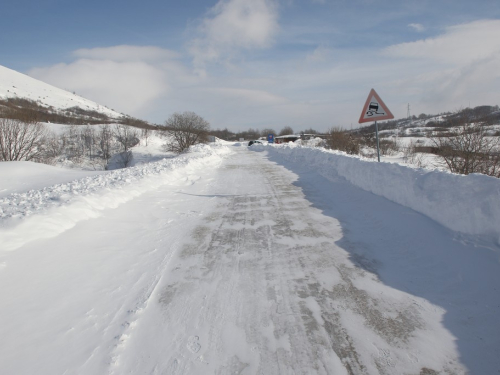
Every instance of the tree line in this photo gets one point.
(466, 146)
(33, 141)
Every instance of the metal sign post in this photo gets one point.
(375, 109)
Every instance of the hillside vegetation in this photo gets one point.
(464, 142)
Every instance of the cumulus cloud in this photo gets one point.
(232, 25)
(125, 78)
(123, 86)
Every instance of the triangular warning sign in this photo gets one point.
(374, 109)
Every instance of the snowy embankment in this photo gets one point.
(467, 204)
(59, 207)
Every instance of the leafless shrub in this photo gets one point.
(339, 139)
(368, 140)
(186, 129)
(411, 156)
(468, 149)
(20, 140)
(388, 146)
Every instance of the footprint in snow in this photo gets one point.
(193, 344)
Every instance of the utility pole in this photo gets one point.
(408, 116)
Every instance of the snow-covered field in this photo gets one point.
(225, 260)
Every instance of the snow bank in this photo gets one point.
(467, 204)
(59, 207)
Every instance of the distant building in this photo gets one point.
(286, 138)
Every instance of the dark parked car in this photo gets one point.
(252, 142)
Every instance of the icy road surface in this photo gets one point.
(231, 268)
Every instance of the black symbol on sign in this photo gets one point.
(373, 109)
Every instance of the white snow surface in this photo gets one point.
(78, 199)
(467, 204)
(17, 85)
(224, 260)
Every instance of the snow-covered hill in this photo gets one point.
(16, 85)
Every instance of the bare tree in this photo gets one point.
(145, 134)
(74, 141)
(266, 132)
(340, 139)
(20, 140)
(126, 136)
(88, 138)
(186, 130)
(52, 148)
(105, 141)
(469, 149)
(251, 133)
(287, 130)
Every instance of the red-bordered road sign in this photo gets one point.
(374, 109)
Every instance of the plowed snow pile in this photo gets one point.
(467, 204)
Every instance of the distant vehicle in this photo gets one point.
(256, 141)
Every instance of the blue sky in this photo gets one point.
(260, 63)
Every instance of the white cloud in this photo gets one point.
(460, 44)
(417, 27)
(125, 78)
(124, 86)
(319, 90)
(450, 71)
(233, 25)
(249, 96)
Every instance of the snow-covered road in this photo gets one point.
(245, 265)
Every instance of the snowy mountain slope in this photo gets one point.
(17, 85)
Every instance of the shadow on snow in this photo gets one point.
(412, 253)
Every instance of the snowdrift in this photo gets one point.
(49, 211)
(467, 204)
